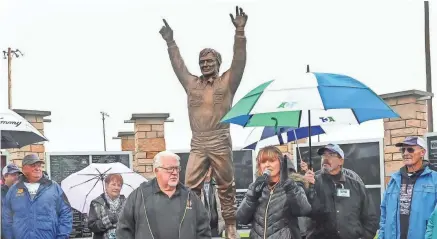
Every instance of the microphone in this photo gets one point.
(266, 176)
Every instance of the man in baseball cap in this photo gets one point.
(334, 191)
(332, 158)
(399, 199)
(10, 175)
(42, 197)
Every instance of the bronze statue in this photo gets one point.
(210, 97)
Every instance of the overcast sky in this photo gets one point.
(82, 57)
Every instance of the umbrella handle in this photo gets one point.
(281, 140)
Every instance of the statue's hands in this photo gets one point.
(240, 18)
(166, 32)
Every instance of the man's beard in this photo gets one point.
(172, 184)
(328, 169)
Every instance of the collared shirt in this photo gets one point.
(167, 210)
(209, 100)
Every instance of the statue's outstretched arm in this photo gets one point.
(239, 58)
(177, 62)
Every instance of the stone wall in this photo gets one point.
(127, 140)
(37, 119)
(288, 148)
(411, 106)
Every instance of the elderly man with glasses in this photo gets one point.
(411, 194)
(341, 207)
(163, 207)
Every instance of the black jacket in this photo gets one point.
(274, 214)
(137, 219)
(98, 219)
(333, 216)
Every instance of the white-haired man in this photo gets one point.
(163, 207)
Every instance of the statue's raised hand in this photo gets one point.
(166, 32)
(240, 18)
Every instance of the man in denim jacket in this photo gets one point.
(411, 194)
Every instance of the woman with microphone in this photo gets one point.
(273, 202)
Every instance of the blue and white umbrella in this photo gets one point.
(329, 98)
(263, 136)
(308, 100)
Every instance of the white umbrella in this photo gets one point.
(87, 184)
(16, 132)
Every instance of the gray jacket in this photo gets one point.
(137, 221)
(98, 220)
(215, 201)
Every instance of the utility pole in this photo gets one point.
(428, 69)
(8, 55)
(104, 115)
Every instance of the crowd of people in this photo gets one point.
(281, 203)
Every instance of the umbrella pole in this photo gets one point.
(309, 130)
(297, 145)
(309, 142)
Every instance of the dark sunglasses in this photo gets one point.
(409, 150)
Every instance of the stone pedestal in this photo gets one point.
(288, 148)
(37, 119)
(411, 106)
(127, 140)
(149, 140)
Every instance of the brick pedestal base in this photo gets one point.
(149, 140)
(411, 106)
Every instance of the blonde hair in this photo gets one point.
(271, 152)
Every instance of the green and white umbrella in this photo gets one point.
(308, 100)
(330, 98)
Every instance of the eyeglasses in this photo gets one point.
(171, 169)
(409, 150)
(329, 155)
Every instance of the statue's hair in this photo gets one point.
(270, 151)
(217, 55)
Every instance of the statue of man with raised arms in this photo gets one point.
(210, 97)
